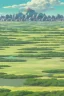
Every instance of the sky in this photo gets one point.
(49, 7)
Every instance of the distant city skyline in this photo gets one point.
(49, 7)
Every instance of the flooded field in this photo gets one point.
(12, 82)
(32, 51)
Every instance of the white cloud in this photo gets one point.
(38, 5)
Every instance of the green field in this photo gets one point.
(33, 51)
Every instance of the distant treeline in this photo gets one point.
(31, 15)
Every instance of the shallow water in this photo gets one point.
(12, 82)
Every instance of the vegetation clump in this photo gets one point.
(7, 92)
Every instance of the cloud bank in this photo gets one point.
(38, 5)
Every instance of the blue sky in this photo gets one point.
(8, 3)
(49, 7)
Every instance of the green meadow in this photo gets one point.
(32, 58)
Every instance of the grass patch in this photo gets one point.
(44, 82)
(3, 66)
(12, 76)
(54, 71)
(7, 92)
